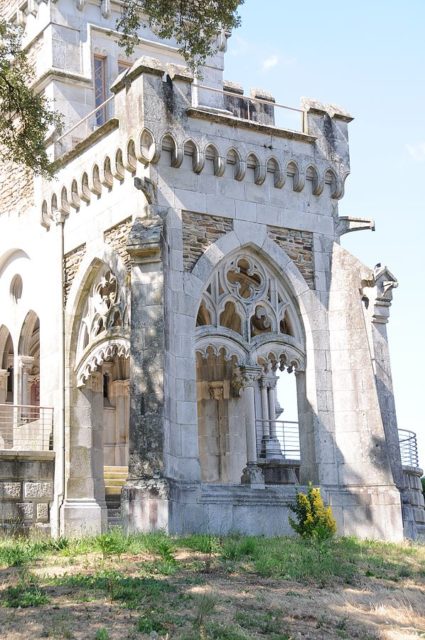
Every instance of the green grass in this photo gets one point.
(131, 592)
(283, 558)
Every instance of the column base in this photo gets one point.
(253, 475)
(145, 505)
(83, 517)
(272, 450)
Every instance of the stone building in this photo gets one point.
(169, 291)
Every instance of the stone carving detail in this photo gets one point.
(244, 297)
(104, 327)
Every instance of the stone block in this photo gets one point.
(38, 490)
(10, 490)
(42, 512)
(25, 510)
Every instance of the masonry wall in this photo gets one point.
(26, 490)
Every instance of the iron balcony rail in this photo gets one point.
(278, 439)
(408, 448)
(26, 427)
(251, 108)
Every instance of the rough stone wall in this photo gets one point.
(71, 263)
(199, 232)
(413, 476)
(299, 247)
(16, 188)
(116, 237)
(26, 489)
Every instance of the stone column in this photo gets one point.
(273, 449)
(252, 474)
(265, 425)
(381, 297)
(84, 509)
(145, 497)
(121, 392)
(4, 374)
(25, 364)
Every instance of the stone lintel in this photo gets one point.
(27, 455)
(203, 113)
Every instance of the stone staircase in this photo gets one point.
(115, 478)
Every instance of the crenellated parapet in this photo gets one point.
(155, 123)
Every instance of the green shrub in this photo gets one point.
(102, 634)
(313, 519)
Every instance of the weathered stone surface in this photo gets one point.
(71, 263)
(10, 490)
(42, 512)
(299, 247)
(38, 490)
(117, 237)
(199, 232)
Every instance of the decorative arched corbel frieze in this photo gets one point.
(279, 178)
(74, 200)
(313, 176)
(94, 183)
(293, 170)
(117, 165)
(147, 150)
(106, 177)
(191, 148)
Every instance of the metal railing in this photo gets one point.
(84, 127)
(26, 427)
(278, 439)
(408, 448)
(251, 108)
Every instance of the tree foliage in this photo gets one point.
(194, 24)
(25, 117)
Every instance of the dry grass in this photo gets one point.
(212, 589)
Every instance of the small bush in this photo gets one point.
(314, 520)
(102, 634)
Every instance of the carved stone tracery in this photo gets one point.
(245, 297)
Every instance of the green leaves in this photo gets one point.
(194, 24)
(26, 118)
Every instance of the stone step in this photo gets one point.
(115, 469)
(115, 473)
(113, 491)
(114, 482)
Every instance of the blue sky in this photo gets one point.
(368, 57)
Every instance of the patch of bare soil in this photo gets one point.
(133, 598)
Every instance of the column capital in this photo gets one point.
(268, 382)
(25, 363)
(95, 382)
(245, 376)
